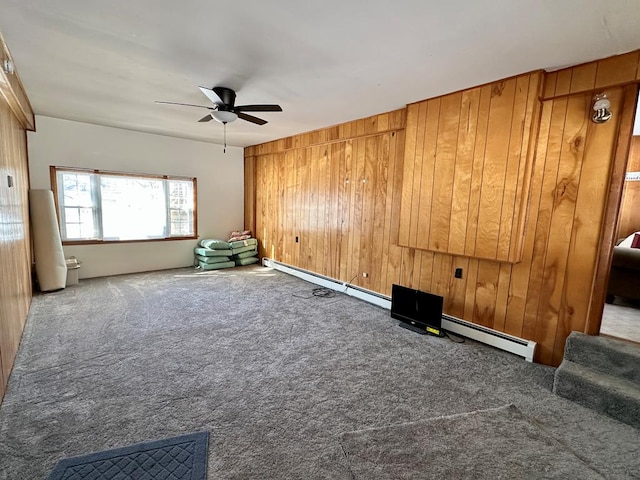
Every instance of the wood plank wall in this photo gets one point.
(593, 77)
(300, 189)
(16, 116)
(15, 250)
(334, 193)
(630, 210)
(457, 143)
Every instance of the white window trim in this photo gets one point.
(96, 196)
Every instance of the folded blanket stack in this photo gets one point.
(244, 248)
(213, 254)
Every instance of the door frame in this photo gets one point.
(609, 229)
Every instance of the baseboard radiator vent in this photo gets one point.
(516, 345)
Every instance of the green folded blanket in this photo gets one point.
(246, 261)
(214, 244)
(208, 252)
(212, 259)
(250, 248)
(244, 243)
(250, 253)
(216, 266)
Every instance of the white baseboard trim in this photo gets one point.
(516, 345)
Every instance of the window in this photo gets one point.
(96, 206)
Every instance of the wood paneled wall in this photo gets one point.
(16, 117)
(595, 76)
(15, 253)
(467, 170)
(341, 197)
(330, 206)
(630, 210)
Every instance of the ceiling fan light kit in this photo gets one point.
(223, 116)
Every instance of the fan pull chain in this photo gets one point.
(224, 150)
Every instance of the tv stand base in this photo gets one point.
(413, 328)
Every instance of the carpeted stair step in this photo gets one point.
(606, 355)
(608, 394)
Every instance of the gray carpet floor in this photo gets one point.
(276, 376)
(492, 443)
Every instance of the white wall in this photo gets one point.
(220, 186)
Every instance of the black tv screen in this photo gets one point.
(421, 310)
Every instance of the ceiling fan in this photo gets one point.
(225, 110)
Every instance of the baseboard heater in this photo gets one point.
(516, 345)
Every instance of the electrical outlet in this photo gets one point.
(365, 274)
(458, 273)
(297, 239)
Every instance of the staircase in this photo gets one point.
(602, 374)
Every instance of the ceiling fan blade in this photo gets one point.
(185, 105)
(258, 108)
(206, 118)
(211, 95)
(251, 118)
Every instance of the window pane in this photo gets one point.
(181, 205)
(75, 196)
(72, 215)
(181, 223)
(132, 208)
(76, 188)
(73, 231)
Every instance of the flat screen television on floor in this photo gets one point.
(417, 310)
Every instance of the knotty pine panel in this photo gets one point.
(15, 253)
(466, 173)
(629, 221)
(542, 298)
(337, 202)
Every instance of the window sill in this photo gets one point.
(111, 242)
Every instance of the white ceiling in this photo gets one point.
(324, 62)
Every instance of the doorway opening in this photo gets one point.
(621, 313)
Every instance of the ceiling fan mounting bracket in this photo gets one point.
(227, 96)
